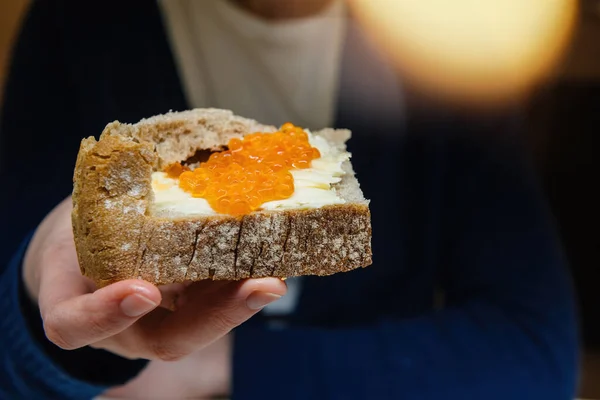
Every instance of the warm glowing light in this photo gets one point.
(471, 50)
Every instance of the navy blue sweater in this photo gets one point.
(455, 208)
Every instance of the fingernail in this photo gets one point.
(135, 305)
(258, 300)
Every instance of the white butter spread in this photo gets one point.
(312, 186)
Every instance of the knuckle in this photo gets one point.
(167, 352)
(223, 321)
(56, 336)
(100, 327)
(225, 314)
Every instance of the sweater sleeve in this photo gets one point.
(507, 330)
(26, 372)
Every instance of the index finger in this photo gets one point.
(61, 271)
(75, 314)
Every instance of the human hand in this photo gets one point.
(204, 374)
(125, 318)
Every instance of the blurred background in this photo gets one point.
(563, 119)
(10, 15)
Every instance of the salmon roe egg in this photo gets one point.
(254, 170)
(175, 170)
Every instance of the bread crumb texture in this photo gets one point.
(117, 237)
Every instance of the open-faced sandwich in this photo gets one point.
(204, 194)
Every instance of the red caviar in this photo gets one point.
(175, 170)
(254, 170)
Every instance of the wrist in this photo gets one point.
(228, 370)
(217, 360)
(203, 374)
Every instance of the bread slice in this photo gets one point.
(119, 236)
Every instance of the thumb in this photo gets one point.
(89, 318)
(209, 313)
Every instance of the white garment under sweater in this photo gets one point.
(273, 72)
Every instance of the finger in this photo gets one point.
(174, 295)
(52, 250)
(170, 295)
(92, 317)
(206, 317)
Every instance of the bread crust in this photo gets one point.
(117, 236)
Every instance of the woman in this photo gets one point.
(453, 209)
